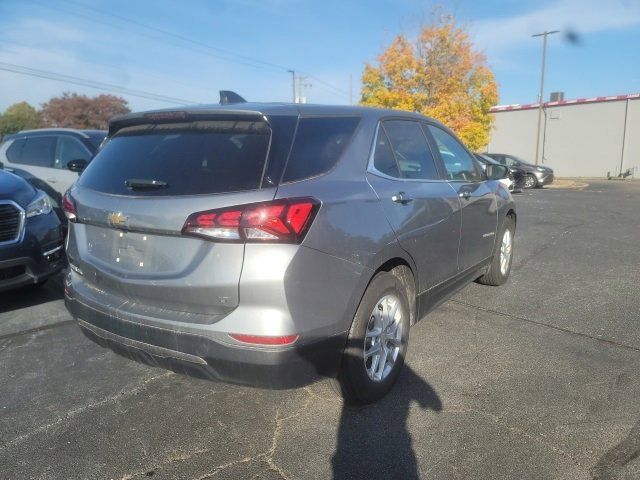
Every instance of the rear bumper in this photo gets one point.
(204, 357)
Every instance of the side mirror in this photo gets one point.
(77, 165)
(497, 172)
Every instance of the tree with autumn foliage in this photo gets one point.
(80, 111)
(439, 74)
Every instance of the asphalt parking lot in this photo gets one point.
(533, 380)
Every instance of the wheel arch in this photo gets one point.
(405, 273)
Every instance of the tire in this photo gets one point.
(530, 181)
(363, 381)
(497, 275)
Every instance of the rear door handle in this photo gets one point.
(401, 198)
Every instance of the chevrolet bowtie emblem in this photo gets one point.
(117, 219)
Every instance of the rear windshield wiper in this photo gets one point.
(145, 184)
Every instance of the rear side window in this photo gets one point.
(203, 157)
(38, 152)
(383, 160)
(14, 152)
(318, 145)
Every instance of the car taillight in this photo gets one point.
(69, 207)
(278, 221)
(263, 340)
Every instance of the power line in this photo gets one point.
(32, 72)
(177, 36)
(155, 76)
(254, 62)
(93, 19)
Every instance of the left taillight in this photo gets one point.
(278, 221)
(69, 207)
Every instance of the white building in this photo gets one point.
(587, 137)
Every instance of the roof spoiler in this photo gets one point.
(228, 97)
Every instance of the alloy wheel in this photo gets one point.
(505, 251)
(383, 338)
(529, 181)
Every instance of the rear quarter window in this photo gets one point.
(14, 152)
(318, 144)
(204, 157)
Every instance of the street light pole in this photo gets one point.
(293, 84)
(544, 34)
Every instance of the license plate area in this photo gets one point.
(132, 251)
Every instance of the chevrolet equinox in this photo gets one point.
(268, 244)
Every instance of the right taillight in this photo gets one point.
(69, 207)
(278, 221)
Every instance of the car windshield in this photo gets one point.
(96, 139)
(520, 160)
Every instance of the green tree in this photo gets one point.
(438, 74)
(19, 116)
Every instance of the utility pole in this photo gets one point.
(544, 34)
(350, 89)
(293, 84)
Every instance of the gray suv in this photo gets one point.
(269, 244)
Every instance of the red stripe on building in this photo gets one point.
(578, 101)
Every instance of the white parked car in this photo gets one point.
(46, 154)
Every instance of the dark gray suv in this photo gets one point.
(267, 244)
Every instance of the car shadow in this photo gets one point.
(32, 295)
(374, 441)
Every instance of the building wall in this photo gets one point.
(583, 139)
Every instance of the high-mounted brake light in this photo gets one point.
(69, 207)
(279, 221)
(262, 340)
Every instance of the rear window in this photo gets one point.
(318, 145)
(194, 158)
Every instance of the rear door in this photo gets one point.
(35, 155)
(421, 208)
(128, 242)
(479, 206)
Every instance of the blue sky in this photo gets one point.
(330, 40)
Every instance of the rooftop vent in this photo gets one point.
(556, 96)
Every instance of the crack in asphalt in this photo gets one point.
(79, 410)
(265, 457)
(36, 329)
(547, 325)
(540, 438)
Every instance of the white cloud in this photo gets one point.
(108, 56)
(499, 35)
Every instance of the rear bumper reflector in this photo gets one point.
(264, 340)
